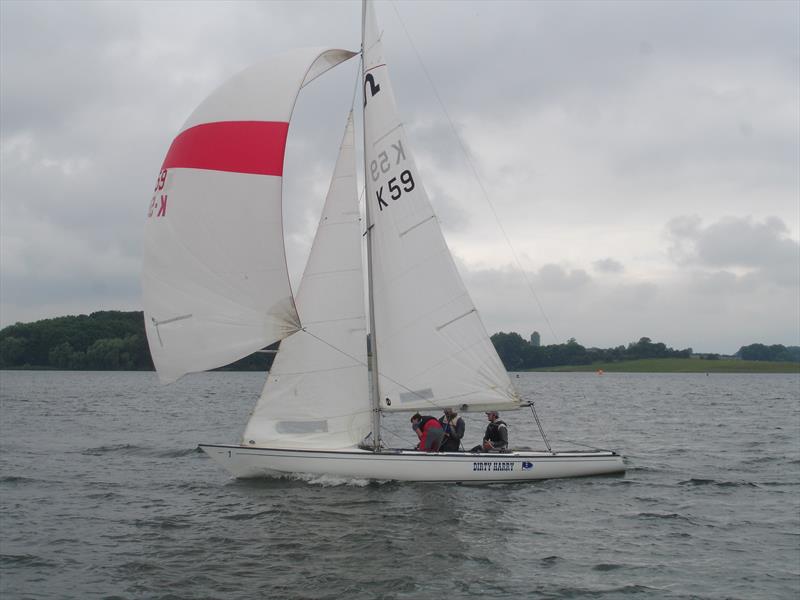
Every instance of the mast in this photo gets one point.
(373, 355)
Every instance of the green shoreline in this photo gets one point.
(680, 365)
(645, 365)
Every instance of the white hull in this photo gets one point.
(408, 465)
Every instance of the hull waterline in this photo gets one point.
(406, 465)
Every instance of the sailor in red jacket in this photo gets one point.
(429, 431)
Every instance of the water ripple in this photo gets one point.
(25, 560)
(117, 501)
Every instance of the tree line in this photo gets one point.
(775, 352)
(102, 341)
(106, 340)
(116, 340)
(518, 354)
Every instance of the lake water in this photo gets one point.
(104, 495)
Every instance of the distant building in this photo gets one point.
(536, 339)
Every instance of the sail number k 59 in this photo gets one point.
(396, 185)
(159, 205)
(394, 189)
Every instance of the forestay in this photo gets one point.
(433, 350)
(316, 395)
(215, 282)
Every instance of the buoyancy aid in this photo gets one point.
(454, 430)
(497, 433)
(451, 426)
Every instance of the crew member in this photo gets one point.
(429, 431)
(496, 437)
(454, 428)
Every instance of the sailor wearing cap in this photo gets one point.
(496, 437)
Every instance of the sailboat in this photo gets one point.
(216, 288)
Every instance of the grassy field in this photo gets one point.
(684, 365)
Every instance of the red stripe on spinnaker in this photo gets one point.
(255, 147)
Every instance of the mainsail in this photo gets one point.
(215, 282)
(432, 348)
(316, 395)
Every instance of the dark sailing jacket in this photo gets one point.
(497, 433)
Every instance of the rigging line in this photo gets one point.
(402, 437)
(359, 361)
(359, 318)
(587, 446)
(356, 359)
(539, 424)
(478, 179)
(333, 271)
(339, 350)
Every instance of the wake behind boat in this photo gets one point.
(216, 288)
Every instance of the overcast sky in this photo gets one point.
(643, 158)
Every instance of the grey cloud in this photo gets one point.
(631, 296)
(608, 265)
(665, 120)
(55, 61)
(715, 282)
(684, 311)
(86, 287)
(565, 54)
(592, 96)
(554, 277)
(764, 248)
(710, 310)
